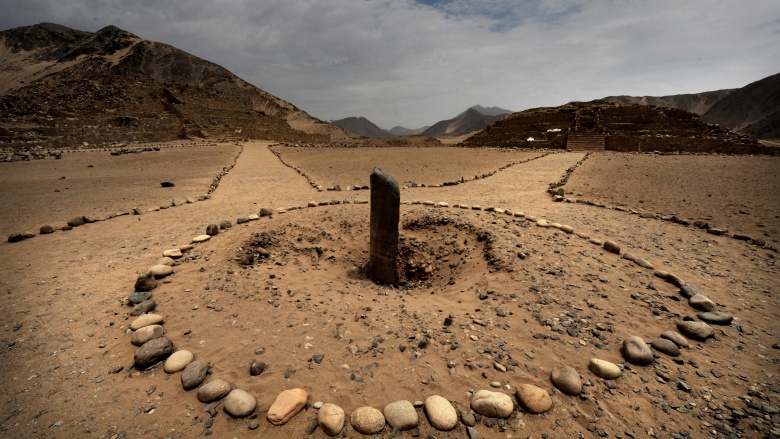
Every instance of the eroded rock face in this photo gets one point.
(385, 215)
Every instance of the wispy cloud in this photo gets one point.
(412, 63)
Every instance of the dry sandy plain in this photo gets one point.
(524, 297)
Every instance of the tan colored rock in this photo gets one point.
(146, 320)
(401, 415)
(287, 404)
(161, 270)
(201, 238)
(367, 420)
(676, 337)
(166, 261)
(239, 403)
(567, 380)
(492, 404)
(702, 302)
(696, 330)
(146, 333)
(330, 418)
(604, 369)
(178, 361)
(441, 414)
(542, 223)
(173, 253)
(533, 399)
(214, 390)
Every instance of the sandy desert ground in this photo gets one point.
(504, 302)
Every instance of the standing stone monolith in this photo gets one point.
(385, 215)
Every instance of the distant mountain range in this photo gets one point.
(361, 126)
(473, 119)
(753, 110)
(401, 131)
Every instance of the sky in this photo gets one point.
(413, 63)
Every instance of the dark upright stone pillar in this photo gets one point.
(385, 214)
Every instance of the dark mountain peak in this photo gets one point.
(361, 126)
(29, 38)
(491, 111)
(467, 122)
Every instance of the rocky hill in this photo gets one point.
(753, 110)
(361, 126)
(61, 87)
(402, 131)
(467, 122)
(625, 128)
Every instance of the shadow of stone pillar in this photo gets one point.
(385, 215)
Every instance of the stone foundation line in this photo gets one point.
(320, 188)
(155, 348)
(558, 194)
(80, 221)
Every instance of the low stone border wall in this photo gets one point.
(82, 220)
(155, 349)
(337, 188)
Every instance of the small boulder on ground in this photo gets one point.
(701, 302)
(178, 361)
(212, 230)
(45, 230)
(143, 335)
(331, 418)
(76, 222)
(699, 331)
(146, 320)
(533, 399)
(492, 404)
(604, 369)
(214, 390)
(367, 420)
(567, 380)
(636, 351)
(401, 415)
(612, 246)
(145, 282)
(194, 374)
(161, 270)
(676, 337)
(153, 351)
(239, 403)
(286, 405)
(666, 346)
(716, 317)
(441, 414)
